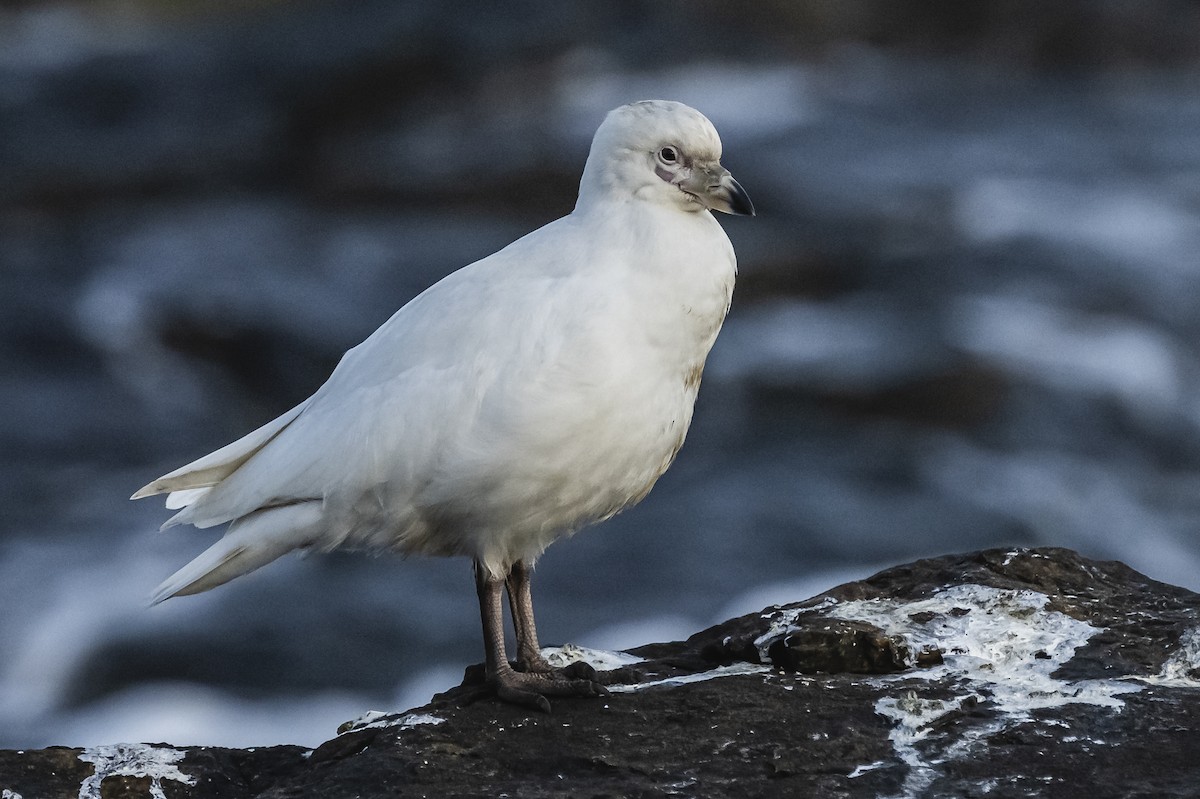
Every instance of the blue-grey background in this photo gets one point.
(967, 316)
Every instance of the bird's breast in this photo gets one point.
(574, 411)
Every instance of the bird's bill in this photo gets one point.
(716, 190)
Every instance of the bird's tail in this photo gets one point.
(252, 541)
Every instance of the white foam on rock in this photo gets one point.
(913, 717)
(866, 768)
(1006, 643)
(603, 660)
(732, 670)
(997, 645)
(782, 623)
(598, 659)
(132, 760)
(1180, 668)
(382, 718)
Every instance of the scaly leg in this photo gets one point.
(529, 690)
(520, 603)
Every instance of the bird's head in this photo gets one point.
(663, 152)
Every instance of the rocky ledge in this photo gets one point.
(1000, 673)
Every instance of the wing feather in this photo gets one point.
(216, 466)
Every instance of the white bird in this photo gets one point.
(531, 393)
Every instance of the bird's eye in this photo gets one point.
(668, 155)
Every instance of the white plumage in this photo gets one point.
(537, 390)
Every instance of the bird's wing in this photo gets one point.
(386, 413)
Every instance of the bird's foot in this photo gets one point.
(530, 689)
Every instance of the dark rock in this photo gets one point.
(842, 646)
(1076, 677)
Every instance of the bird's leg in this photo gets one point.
(500, 674)
(520, 602)
(529, 690)
(529, 652)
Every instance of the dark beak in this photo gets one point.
(718, 191)
(734, 198)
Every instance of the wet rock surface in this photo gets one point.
(998, 673)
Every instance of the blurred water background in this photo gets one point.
(967, 315)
